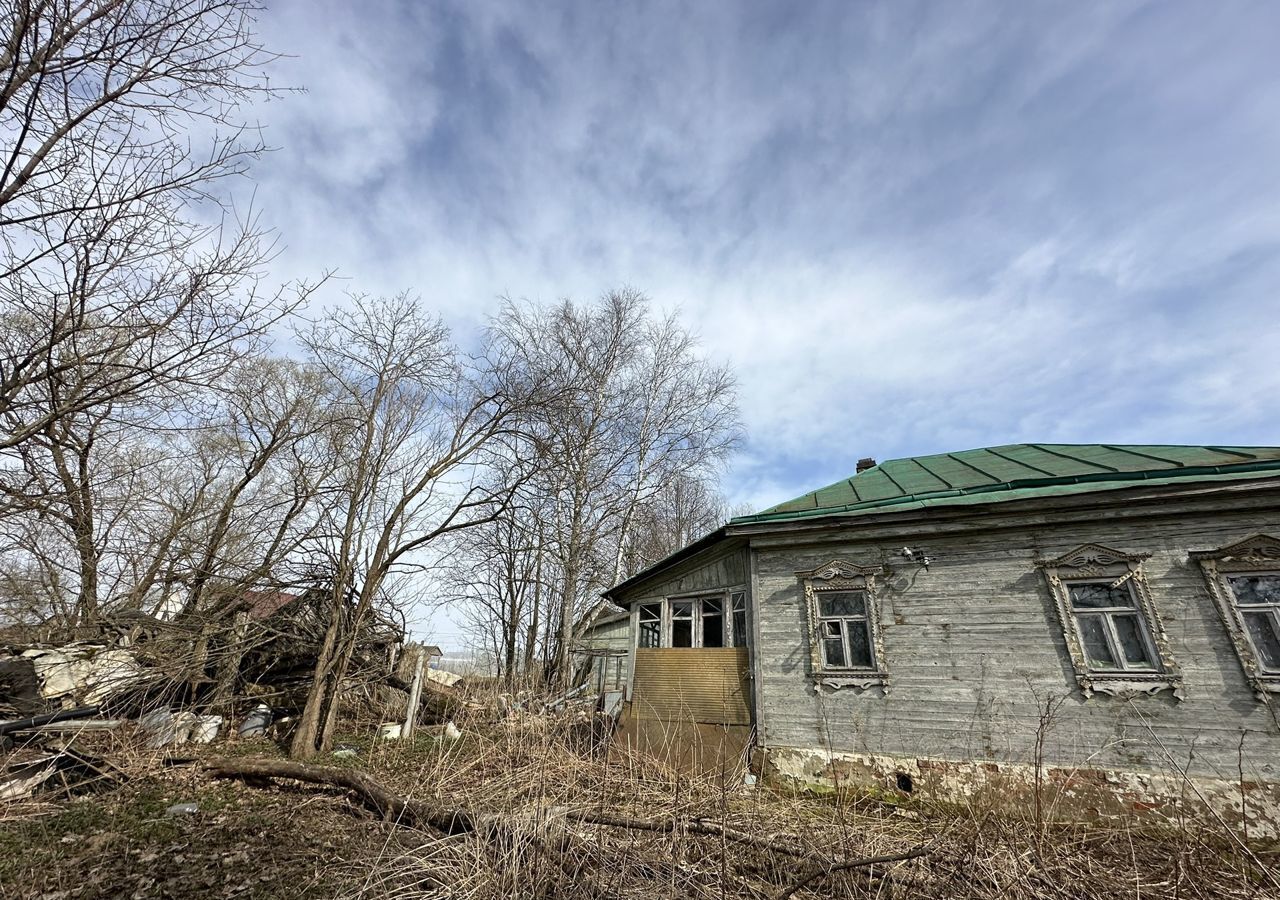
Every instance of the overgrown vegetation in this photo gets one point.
(534, 784)
(178, 440)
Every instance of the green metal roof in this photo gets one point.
(1020, 471)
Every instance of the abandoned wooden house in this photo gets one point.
(600, 651)
(1095, 624)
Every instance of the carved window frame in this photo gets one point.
(1254, 555)
(1094, 562)
(839, 575)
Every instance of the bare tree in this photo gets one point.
(687, 507)
(494, 581)
(126, 509)
(118, 117)
(129, 288)
(638, 411)
(262, 473)
(415, 426)
(97, 103)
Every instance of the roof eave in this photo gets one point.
(685, 552)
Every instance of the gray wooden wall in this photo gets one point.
(609, 636)
(712, 570)
(973, 646)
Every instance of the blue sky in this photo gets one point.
(910, 228)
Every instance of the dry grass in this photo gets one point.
(531, 773)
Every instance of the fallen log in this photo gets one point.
(390, 806)
(411, 813)
(695, 825)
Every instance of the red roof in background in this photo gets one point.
(264, 604)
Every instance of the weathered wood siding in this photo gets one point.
(614, 635)
(684, 685)
(716, 569)
(707, 686)
(973, 647)
(607, 637)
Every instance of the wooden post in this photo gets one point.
(415, 694)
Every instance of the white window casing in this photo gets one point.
(1244, 581)
(846, 645)
(707, 619)
(1111, 627)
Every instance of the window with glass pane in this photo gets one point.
(845, 629)
(650, 625)
(682, 623)
(739, 603)
(1112, 630)
(1258, 599)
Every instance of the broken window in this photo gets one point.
(738, 600)
(716, 620)
(712, 614)
(845, 644)
(1113, 632)
(650, 630)
(1110, 625)
(846, 629)
(1244, 580)
(1258, 597)
(682, 623)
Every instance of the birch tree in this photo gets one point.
(415, 424)
(640, 409)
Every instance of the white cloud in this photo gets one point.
(909, 230)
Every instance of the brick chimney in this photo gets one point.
(866, 463)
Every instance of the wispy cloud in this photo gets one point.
(910, 228)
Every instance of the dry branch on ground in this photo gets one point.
(529, 806)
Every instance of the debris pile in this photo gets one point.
(242, 670)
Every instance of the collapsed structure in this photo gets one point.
(1091, 626)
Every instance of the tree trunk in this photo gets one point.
(568, 598)
(309, 739)
(511, 637)
(535, 616)
(228, 669)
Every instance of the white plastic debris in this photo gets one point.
(25, 785)
(204, 730)
(255, 724)
(446, 732)
(439, 676)
(109, 672)
(183, 809)
(59, 671)
(389, 731)
(159, 726)
(164, 727)
(89, 672)
(183, 723)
